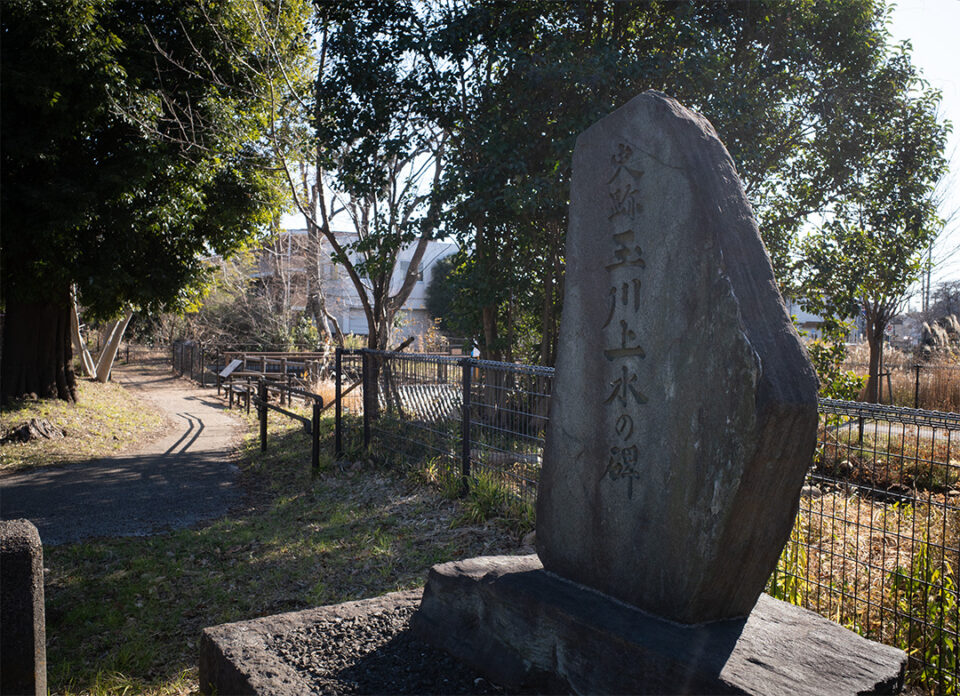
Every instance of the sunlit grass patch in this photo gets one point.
(105, 420)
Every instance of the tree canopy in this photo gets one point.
(782, 83)
(132, 147)
(868, 249)
(373, 154)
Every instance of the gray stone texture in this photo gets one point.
(684, 406)
(528, 629)
(23, 647)
(239, 658)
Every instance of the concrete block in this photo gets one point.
(23, 650)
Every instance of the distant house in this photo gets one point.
(811, 325)
(905, 330)
(284, 264)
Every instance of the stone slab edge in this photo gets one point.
(523, 627)
(23, 652)
(236, 658)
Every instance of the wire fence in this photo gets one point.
(417, 407)
(877, 542)
(876, 546)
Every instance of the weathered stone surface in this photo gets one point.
(683, 413)
(23, 647)
(238, 658)
(529, 629)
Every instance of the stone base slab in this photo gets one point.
(237, 658)
(525, 628)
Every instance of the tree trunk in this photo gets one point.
(109, 354)
(546, 316)
(79, 345)
(489, 350)
(37, 352)
(873, 378)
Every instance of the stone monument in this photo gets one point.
(683, 420)
(684, 408)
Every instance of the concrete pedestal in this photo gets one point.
(525, 628)
(23, 656)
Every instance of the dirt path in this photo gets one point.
(185, 476)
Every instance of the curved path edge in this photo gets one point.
(185, 476)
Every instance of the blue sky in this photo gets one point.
(931, 27)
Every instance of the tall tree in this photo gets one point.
(370, 154)
(132, 146)
(780, 81)
(869, 248)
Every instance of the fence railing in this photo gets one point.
(876, 546)
(191, 359)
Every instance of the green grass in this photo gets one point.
(125, 615)
(105, 420)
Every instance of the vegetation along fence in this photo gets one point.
(877, 539)
(918, 385)
(876, 545)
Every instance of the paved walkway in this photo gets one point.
(175, 481)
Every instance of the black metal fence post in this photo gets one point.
(315, 434)
(203, 376)
(338, 407)
(365, 361)
(262, 391)
(466, 366)
(219, 370)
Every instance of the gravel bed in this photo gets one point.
(375, 654)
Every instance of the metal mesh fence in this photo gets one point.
(877, 541)
(876, 546)
(424, 404)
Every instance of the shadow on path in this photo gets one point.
(183, 477)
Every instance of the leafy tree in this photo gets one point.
(132, 147)
(370, 151)
(827, 353)
(869, 248)
(449, 297)
(780, 81)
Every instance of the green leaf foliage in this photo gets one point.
(801, 94)
(132, 143)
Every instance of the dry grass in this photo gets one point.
(105, 420)
(939, 380)
(885, 570)
(327, 389)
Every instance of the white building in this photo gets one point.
(286, 260)
(810, 324)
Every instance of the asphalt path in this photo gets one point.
(183, 477)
